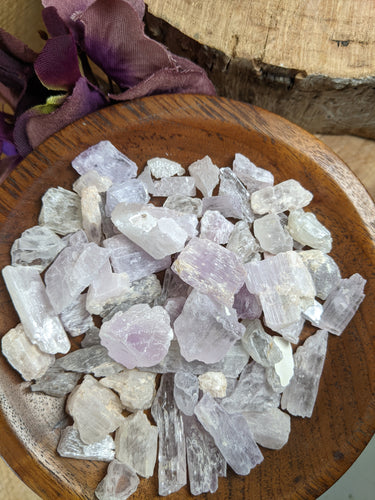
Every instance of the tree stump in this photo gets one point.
(312, 62)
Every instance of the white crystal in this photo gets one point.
(162, 167)
(206, 175)
(323, 269)
(186, 391)
(215, 227)
(128, 191)
(145, 177)
(91, 207)
(288, 195)
(71, 446)
(313, 313)
(307, 230)
(252, 176)
(61, 211)
(185, 204)
(261, 346)
(280, 374)
(214, 383)
(175, 185)
(120, 482)
(92, 178)
(135, 388)
(270, 428)
(242, 242)
(230, 185)
(271, 235)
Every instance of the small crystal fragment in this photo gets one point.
(61, 211)
(300, 395)
(128, 191)
(261, 346)
(186, 391)
(138, 337)
(185, 204)
(292, 332)
(56, 383)
(174, 306)
(313, 313)
(252, 176)
(173, 286)
(270, 428)
(227, 205)
(91, 337)
(175, 185)
(34, 309)
(272, 237)
(307, 230)
(120, 482)
(86, 360)
(242, 242)
(231, 185)
(231, 435)
(162, 167)
(206, 175)
(71, 446)
(145, 177)
(323, 269)
(280, 374)
(288, 195)
(215, 227)
(172, 451)
(136, 443)
(214, 383)
(135, 388)
(107, 161)
(91, 208)
(92, 178)
(95, 409)
(36, 247)
(211, 269)
(24, 356)
(247, 304)
(75, 318)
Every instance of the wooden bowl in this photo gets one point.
(185, 128)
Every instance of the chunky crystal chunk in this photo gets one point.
(92, 178)
(145, 177)
(61, 211)
(162, 167)
(138, 337)
(280, 374)
(242, 242)
(72, 446)
(136, 443)
(288, 195)
(227, 205)
(211, 269)
(247, 304)
(185, 204)
(41, 324)
(231, 435)
(215, 227)
(107, 161)
(214, 383)
(56, 383)
(120, 482)
(92, 359)
(175, 185)
(186, 391)
(206, 329)
(323, 269)
(75, 318)
(230, 185)
(96, 410)
(172, 451)
(261, 346)
(36, 247)
(307, 230)
(300, 395)
(252, 176)
(272, 237)
(174, 306)
(24, 356)
(92, 208)
(129, 191)
(270, 428)
(206, 175)
(135, 388)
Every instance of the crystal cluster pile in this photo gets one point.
(221, 322)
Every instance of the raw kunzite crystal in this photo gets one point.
(214, 383)
(128, 191)
(136, 443)
(92, 178)
(215, 227)
(270, 428)
(272, 237)
(41, 324)
(261, 346)
(292, 332)
(127, 257)
(342, 304)
(186, 391)
(231, 435)
(227, 205)
(72, 446)
(175, 185)
(24, 356)
(92, 208)
(231, 185)
(145, 177)
(252, 176)
(206, 329)
(92, 359)
(120, 482)
(61, 211)
(96, 410)
(211, 269)
(158, 230)
(323, 269)
(280, 374)
(135, 388)
(313, 313)
(91, 337)
(300, 395)
(107, 161)
(247, 304)
(206, 175)
(172, 451)
(174, 306)
(307, 230)
(288, 195)
(36, 247)
(242, 242)
(162, 167)
(56, 383)
(173, 286)
(75, 318)
(205, 462)
(185, 204)
(138, 337)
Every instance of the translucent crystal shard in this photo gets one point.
(36, 247)
(127, 257)
(231, 435)
(214, 383)
(75, 318)
(242, 242)
(96, 410)
(206, 175)
(24, 356)
(42, 326)
(206, 329)
(280, 374)
(172, 452)
(231, 185)
(300, 395)
(129, 191)
(215, 227)
(92, 178)
(174, 185)
(342, 304)
(135, 388)
(91, 337)
(173, 286)
(261, 346)
(227, 205)
(120, 482)
(272, 237)
(247, 304)
(91, 208)
(252, 176)
(288, 195)
(185, 204)
(186, 391)
(323, 269)
(307, 230)
(174, 306)
(86, 360)
(270, 428)
(211, 269)
(138, 337)
(56, 383)
(61, 211)
(162, 167)
(145, 177)
(204, 460)
(107, 161)
(136, 443)
(313, 313)
(72, 446)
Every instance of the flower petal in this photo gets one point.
(54, 23)
(15, 47)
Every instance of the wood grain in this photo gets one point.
(185, 128)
